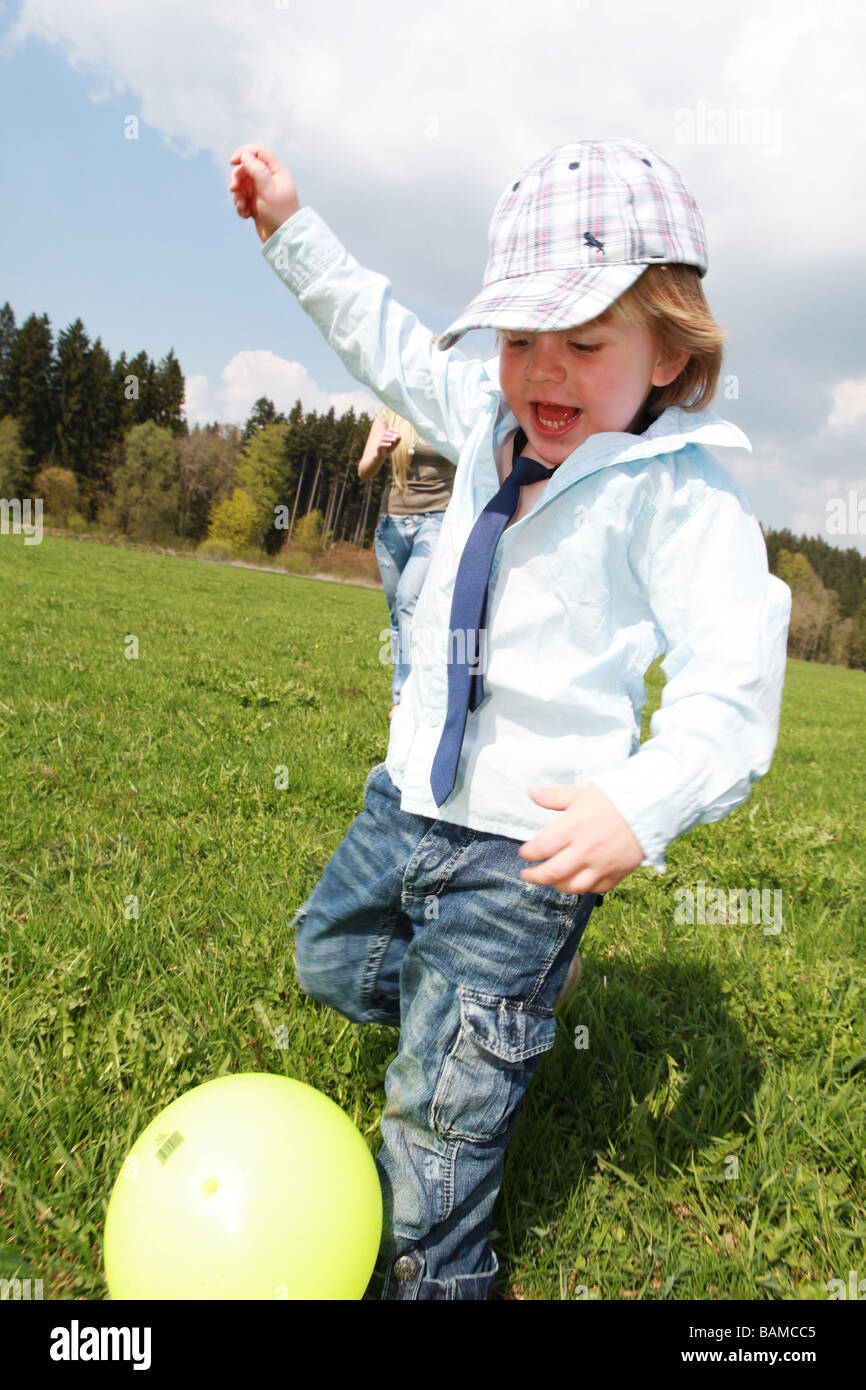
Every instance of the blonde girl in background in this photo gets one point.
(410, 517)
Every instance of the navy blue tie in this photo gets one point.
(468, 614)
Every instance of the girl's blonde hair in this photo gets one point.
(669, 300)
(400, 457)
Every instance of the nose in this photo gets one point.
(546, 358)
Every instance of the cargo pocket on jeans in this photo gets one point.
(482, 1076)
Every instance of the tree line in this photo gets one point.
(828, 612)
(107, 442)
(117, 448)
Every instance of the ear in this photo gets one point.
(667, 369)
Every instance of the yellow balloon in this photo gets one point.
(251, 1186)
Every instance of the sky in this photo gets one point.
(401, 125)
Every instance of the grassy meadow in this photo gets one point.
(706, 1144)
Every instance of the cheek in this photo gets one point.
(508, 381)
(604, 387)
(618, 388)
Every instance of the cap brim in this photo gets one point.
(545, 302)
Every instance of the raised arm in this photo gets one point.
(381, 343)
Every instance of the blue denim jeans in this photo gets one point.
(404, 545)
(428, 927)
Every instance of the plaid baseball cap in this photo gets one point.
(574, 230)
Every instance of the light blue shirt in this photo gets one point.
(638, 545)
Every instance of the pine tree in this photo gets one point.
(264, 412)
(95, 478)
(74, 434)
(138, 394)
(8, 334)
(32, 397)
(168, 393)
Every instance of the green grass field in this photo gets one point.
(706, 1144)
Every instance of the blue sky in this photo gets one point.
(139, 240)
(401, 127)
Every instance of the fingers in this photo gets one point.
(549, 840)
(570, 873)
(390, 439)
(259, 152)
(561, 862)
(242, 189)
(262, 188)
(554, 863)
(243, 204)
(241, 183)
(569, 878)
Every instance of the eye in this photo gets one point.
(586, 347)
(517, 342)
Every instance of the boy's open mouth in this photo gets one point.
(553, 420)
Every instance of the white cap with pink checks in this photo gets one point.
(574, 230)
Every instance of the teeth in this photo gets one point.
(551, 424)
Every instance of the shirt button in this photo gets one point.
(405, 1268)
(432, 717)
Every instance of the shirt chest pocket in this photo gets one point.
(580, 555)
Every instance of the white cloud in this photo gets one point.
(849, 404)
(835, 510)
(256, 373)
(793, 198)
(197, 401)
(795, 489)
(436, 108)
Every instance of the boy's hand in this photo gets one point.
(588, 849)
(262, 189)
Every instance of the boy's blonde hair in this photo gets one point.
(669, 300)
(400, 457)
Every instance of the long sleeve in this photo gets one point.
(381, 343)
(724, 621)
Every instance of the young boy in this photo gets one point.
(589, 531)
